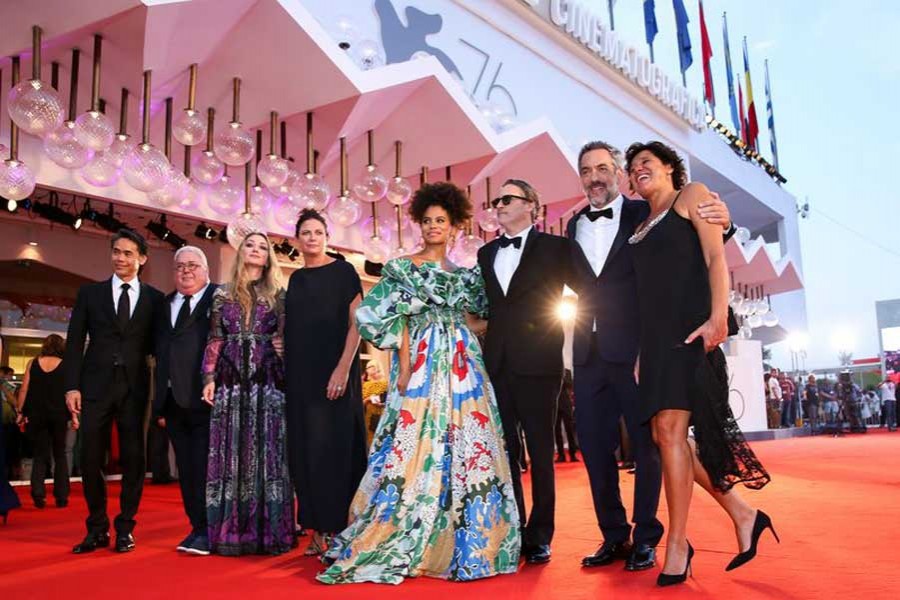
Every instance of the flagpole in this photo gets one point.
(612, 20)
(652, 59)
(770, 117)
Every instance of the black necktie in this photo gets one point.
(516, 242)
(123, 308)
(596, 214)
(184, 312)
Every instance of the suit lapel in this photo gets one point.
(487, 272)
(168, 310)
(577, 251)
(109, 303)
(520, 273)
(143, 305)
(201, 306)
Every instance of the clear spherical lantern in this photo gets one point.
(742, 235)
(386, 227)
(345, 211)
(261, 200)
(120, 149)
(345, 32)
(189, 128)
(770, 319)
(196, 194)
(487, 220)
(465, 251)
(291, 181)
(17, 180)
(95, 130)
(285, 213)
(504, 120)
(754, 321)
(146, 168)
(310, 191)
(206, 168)
(102, 171)
(234, 145)
(63, 149)
(35, 107)
(368, 55)
(225, 198)
(372, 187)
(377, 250)
(762, 306)
(398, 191)
(242, 226)
(273, 170)
(745, 332)
(173, 192)
(734, 297)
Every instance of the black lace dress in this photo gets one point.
(674, 299)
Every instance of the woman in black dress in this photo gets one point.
(42, 408)
(326, 429)
(8, 498)
(682, 281)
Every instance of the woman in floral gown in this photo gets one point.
(437, 497)
(249, 497)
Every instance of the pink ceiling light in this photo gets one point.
(17, 181)
(190, 127)
(234, 144)
(93, 129)
(33, 105)
(146, 168)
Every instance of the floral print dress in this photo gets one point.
(249, 497)
(437, 497)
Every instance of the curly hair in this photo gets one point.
(443, 194)
(307, 214)
(666, 154)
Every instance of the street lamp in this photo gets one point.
(797, 343)
(843, 341)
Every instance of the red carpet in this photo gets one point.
(834, 503)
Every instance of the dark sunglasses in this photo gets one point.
(507, 199)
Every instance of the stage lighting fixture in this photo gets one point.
(55, 214)
(108, 221)
(12, 205)
(161, 230)
(205, 232)
(88, 213)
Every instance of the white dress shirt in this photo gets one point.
(178, 300)
(134, 293)
(507, 260)
(596, 237)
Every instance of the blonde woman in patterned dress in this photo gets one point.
(437, 497)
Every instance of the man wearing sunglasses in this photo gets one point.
(524, 272)
(604, 354)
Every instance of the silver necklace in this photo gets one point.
(640, 235)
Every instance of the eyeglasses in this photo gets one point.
(187, 267)
(507, 199)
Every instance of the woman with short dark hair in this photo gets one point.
(682, 282)
(42, 408)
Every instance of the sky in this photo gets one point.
(835, 78)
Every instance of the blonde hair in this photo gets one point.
(269, 285)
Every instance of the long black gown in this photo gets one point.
(326, 438)
(674, 299)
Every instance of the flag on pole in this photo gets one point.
(650, 28)
(706, 50)
(684, 37)
(771, 117)
(732, 101)
(743, 118)
(752, 125)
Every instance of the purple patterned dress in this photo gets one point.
(249, 498)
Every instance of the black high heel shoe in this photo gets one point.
(760, 524)
(663, 579)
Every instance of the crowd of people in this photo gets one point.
(258, 385)
(826, 406)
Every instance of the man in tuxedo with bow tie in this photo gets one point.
(605, 348)
(182, 329)
(524, 272)
(110, 382)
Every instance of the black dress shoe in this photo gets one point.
(607, 553)
(642, 557)
(536, 555)
(124, 543)
(40, 503)
(560, 458)
(91, 542)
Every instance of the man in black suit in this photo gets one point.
(110, 382)
(605, 348)
(182, 329)
(524, 272)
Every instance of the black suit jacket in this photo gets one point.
(524, 333)
(111, 344)
(611, 297)
(179, 353)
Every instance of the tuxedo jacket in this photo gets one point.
(524, 334)
(610, 298)
(111, 345)
(179, 353)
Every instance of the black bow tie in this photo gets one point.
(516, 242)
(593, 215)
